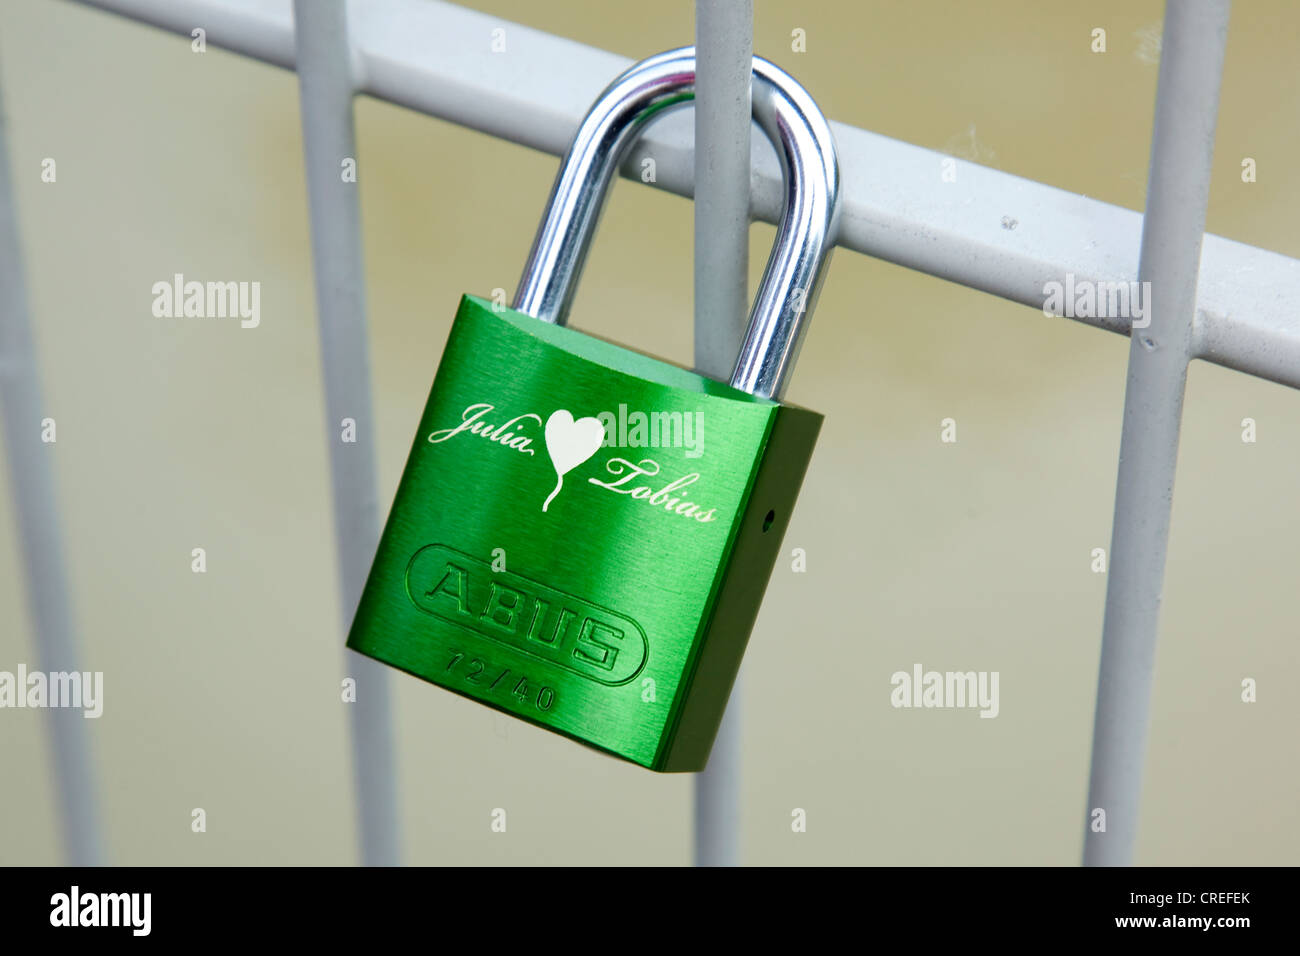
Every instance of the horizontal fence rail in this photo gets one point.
(436, 58)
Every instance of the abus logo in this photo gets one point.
(545, 623)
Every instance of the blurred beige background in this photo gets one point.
(222, 689)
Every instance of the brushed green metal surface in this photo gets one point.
(613, 605)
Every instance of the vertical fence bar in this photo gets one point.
(41, 536)
(326, 86)
(724, 54)
(1178, 187)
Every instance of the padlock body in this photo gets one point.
(597, 578)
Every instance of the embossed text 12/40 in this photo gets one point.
(475, 671)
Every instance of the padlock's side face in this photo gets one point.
(563, 530)
(742, 582)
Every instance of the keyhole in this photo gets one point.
(767, 522)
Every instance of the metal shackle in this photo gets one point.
(810, 179)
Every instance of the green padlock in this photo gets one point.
(583, 534)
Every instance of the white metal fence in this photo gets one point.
(1212, 299)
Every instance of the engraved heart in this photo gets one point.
(570, 443)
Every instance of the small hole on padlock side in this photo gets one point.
(767, 522)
